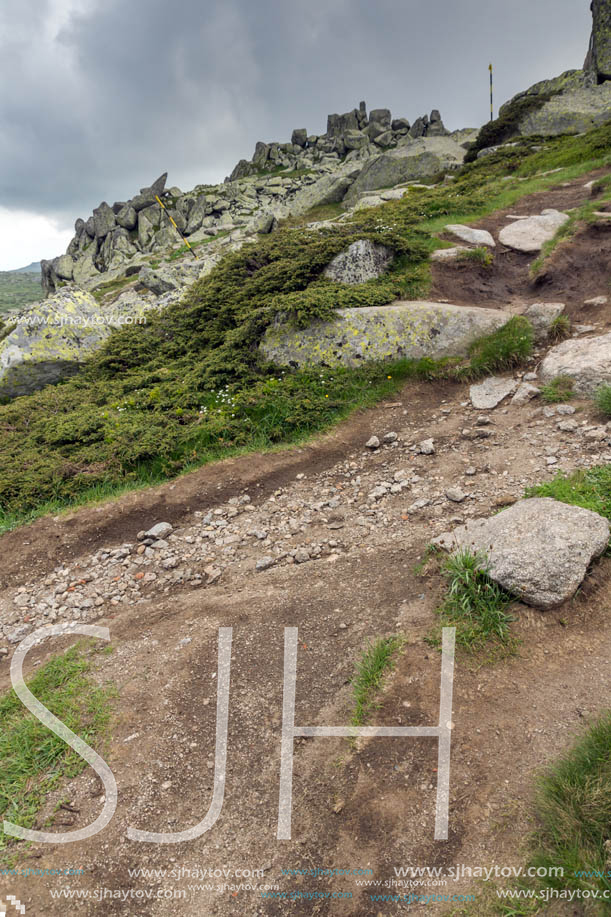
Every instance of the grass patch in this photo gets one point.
(110, 288)
(474, 604)
(377, 660)
(504, 349)
(560, 329)
(589, 488)
(573, 808)
(34, 761)
(183, 250)
(480, 255)
(558, 390)
(602, 399)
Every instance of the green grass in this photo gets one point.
(377, 660)
(560, 329)
(504, 349)
(183, 250)
(18, 290)
(481, 255)
(475, 605)
(34, 761)
(602, 400)
(558, 390)
(111, 287)
(590, 489)
(573, 809)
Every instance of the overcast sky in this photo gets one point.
(98, 97)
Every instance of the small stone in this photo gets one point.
(567, 426)
(489, 393)
(301, 556)
(265, 562)
(455, 494)
(160, 530)
(470, 471)
(391, 437)
(426, 447)
(565, 409)
(372, 443)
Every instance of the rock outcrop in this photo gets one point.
(598, 60)
(404, 329)
(354, 133)
(538, 549)
(53, 338)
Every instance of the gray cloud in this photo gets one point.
(97, 98)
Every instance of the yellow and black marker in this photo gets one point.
(491, 95)
(171, 219)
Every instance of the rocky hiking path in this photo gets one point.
(325, 538)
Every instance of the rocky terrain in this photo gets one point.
(223, 466)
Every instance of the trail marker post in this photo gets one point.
(491, 95)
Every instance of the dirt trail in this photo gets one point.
(342, 572)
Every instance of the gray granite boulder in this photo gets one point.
(378, 333)
(586, 360)
(362, 261)
(537, 549)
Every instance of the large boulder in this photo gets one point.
(53, 338)
(404, 329)
(572, 111)
(416, 160)
(50, 342)
(598, 61)
(537, 549)
(362, 261)
(531, 234)
(586, 360)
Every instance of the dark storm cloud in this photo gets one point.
(97, 98)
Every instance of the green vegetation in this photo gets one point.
(590, 489)
(183, 250)
(573, 808)
(475, 605)
(558, 390)
(34, 761)
(18, 289)
(111, 289)
(480, 255)
(377, 660)
(503, 350)
(191, 385)
(603, 400)
(560, 328)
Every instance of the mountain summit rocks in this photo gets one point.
(598, 61)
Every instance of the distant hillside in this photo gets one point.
(18, 289)
(33, 268)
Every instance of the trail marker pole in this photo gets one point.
(162, 205)
(491, 95)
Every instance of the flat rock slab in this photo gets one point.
(376, 333)
(531, 234)
(586, 360)
(539, 549)
(449, 254)
(489, 393)
(467, 234)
